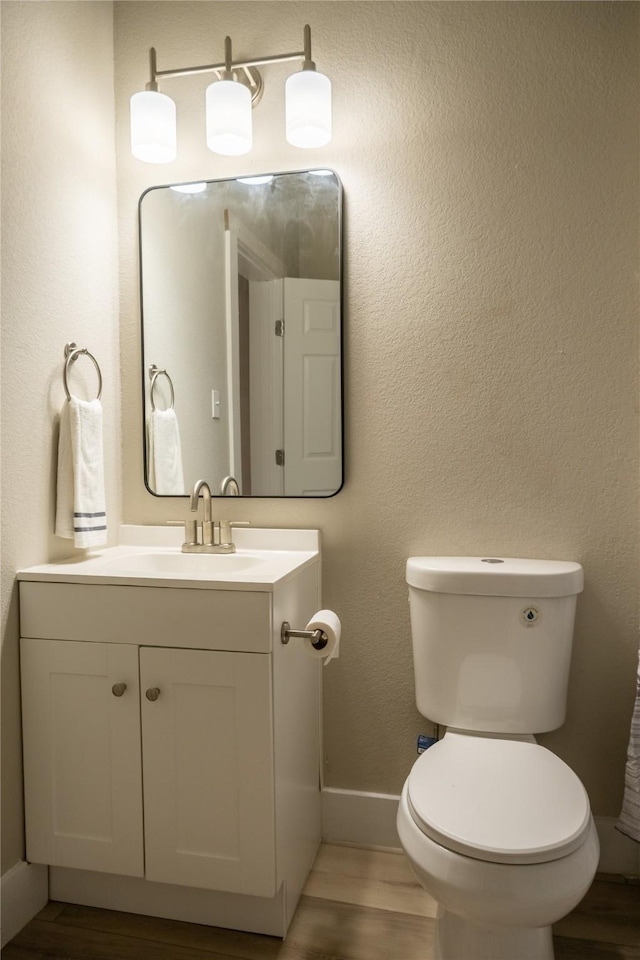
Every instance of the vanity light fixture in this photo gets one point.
(228, 106)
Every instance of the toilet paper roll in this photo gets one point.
(329, 623)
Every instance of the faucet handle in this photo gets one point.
(190, 531)
(190, 535)
(226, 537)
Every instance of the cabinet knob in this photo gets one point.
(152, 693)
(118, 689)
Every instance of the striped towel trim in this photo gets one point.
(83, 528)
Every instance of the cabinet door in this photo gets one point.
(208, 769)
(83, 785)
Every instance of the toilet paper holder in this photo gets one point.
(318, 638)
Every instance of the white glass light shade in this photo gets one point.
(228, 109)
(308, 109)
(153, 127)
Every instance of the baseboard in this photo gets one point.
(24, 891)
(618, 853)
(369, 819)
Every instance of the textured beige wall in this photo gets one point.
(489, 154)
(59, 283)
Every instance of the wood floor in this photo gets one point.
(358, 905)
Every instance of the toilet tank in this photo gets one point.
(492, 640)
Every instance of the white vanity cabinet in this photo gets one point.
(205, 758)
(171, 746)
(208, 764)
(83, 795)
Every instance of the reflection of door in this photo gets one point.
(266, 386)
(289, 399)
(245, 257)
(312, 422)
(295, 387)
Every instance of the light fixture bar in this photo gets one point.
(152, 85)
(306, 54)
(220, 67)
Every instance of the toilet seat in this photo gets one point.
(498, 800)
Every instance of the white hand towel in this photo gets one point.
(80, 505)
(165, 454)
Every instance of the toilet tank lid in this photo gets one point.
(495, 576)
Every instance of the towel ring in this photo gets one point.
(154, 373)
(72, 352)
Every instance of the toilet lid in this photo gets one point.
(505, 801)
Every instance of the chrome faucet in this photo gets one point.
(229, 487)
(191, 544)
(216, 537)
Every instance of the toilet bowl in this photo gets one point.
(499, 832)
(497, 828)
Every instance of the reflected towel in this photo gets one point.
(629, 822)
(80, 499)
(165, 454)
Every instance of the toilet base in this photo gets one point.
(458, 939)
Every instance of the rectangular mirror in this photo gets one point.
(242, 335)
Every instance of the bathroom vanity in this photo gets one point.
(171, 740)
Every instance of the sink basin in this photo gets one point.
(183, 564)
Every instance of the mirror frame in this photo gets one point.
(281, 173)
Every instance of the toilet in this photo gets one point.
(496, 827)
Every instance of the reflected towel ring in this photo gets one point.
(72, 352)
(154, 373)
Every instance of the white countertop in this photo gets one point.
(151, 556)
